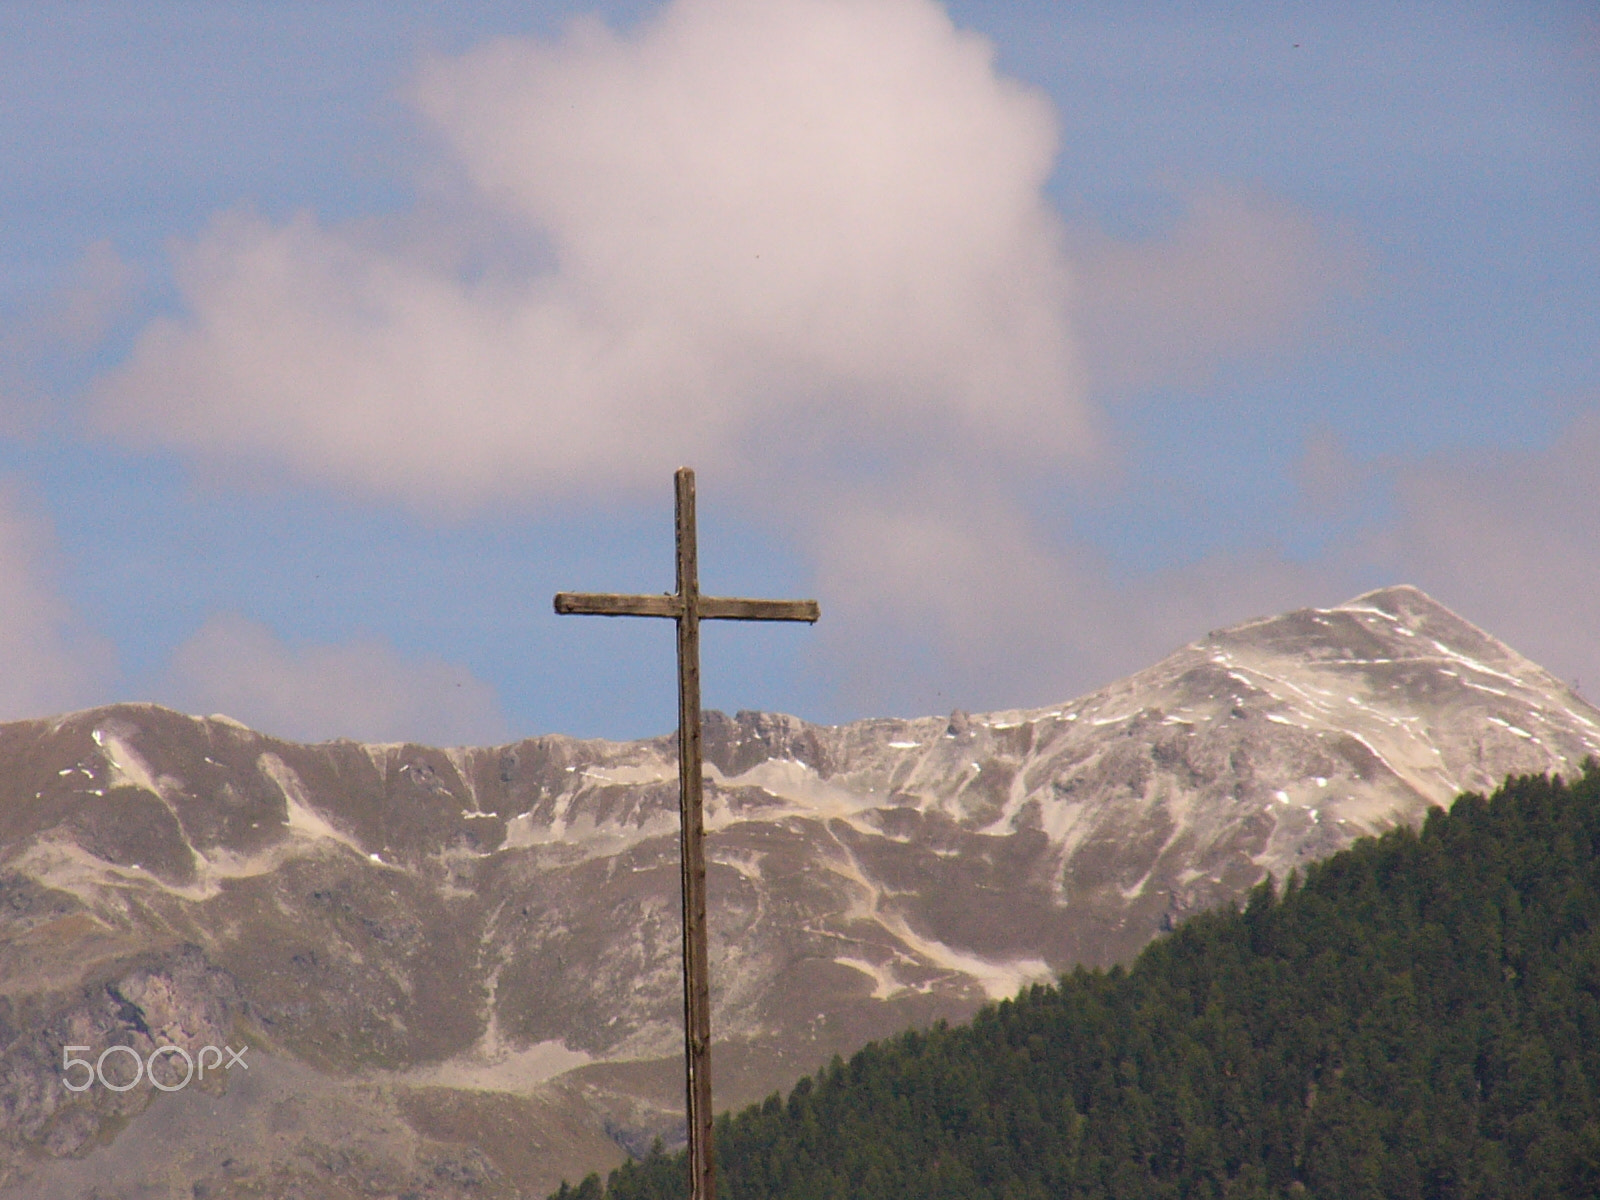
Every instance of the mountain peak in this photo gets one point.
(490, 934)
(1395, 598)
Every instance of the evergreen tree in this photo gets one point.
(1418, 1016)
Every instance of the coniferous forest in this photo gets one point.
(1418, 1016)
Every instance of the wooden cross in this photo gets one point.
(688, 608)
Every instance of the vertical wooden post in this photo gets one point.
(696, 966)
(688, 607)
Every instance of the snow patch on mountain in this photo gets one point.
(303, 819)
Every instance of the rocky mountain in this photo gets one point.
(454, 972)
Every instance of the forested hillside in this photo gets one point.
(1419, 1016)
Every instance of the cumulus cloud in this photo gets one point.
(54, 330)
(1508, 538)
(940, 597)
(774, 229)
(363, 690)
(96, 294)
(801, 244)
(48, 660)
(943, 597)
(1240, 273)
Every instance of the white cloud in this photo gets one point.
(48, 661)
(1003, 615)
(793, 242)
(1240, 274)
(95, 296)
(56, 329)
(1509, 539)
(363, 690)
(777, 229)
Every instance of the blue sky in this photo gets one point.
(1033, 341)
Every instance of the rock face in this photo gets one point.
(457, 970)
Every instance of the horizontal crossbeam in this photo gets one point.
(727, 608)
(610, 604)
(665, 604)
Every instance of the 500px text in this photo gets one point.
(146, 1067)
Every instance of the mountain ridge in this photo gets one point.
(482, 937)
(1414, 1016)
